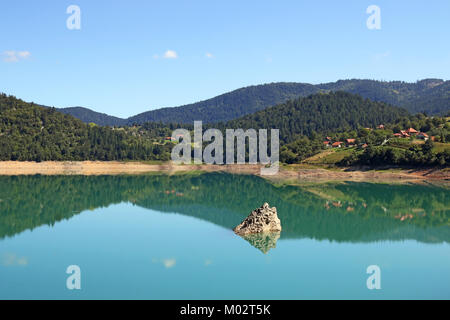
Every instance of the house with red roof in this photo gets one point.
(405, 134)
(350, 142)
(423, 136)
(412, 131)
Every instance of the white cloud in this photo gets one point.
(24, 54)
(209, 55)
(170, 54)
(15, 56)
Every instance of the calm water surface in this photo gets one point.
(161, 237)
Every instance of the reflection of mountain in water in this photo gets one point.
(263, 241)
(358, 212)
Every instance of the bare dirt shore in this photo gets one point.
(89, 168)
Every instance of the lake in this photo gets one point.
(170, 237)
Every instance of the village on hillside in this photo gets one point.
(410, 133)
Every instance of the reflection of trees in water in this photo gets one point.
(339, 212)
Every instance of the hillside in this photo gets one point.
(33, 133)
(88, 116)
(425, 146)
(230, 105)
(431, 96)
(319, 113)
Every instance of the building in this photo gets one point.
(405, 134)
(423, 136)
(337, 145)
(350, 142)
(412, 131)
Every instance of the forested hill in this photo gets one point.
(431, 96)
(33, 133)
(88, 116)
(320, 113)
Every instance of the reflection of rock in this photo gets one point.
(263, 241)
(264, 219)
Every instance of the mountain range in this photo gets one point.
(431, 96)
(30, 132)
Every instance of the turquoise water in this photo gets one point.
(161, 237)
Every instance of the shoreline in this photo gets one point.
(294, 172)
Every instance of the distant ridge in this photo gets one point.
(430, 95)
(89, 116)
(230, 105)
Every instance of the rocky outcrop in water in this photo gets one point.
(264, 219)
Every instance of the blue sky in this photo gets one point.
(116, 63)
